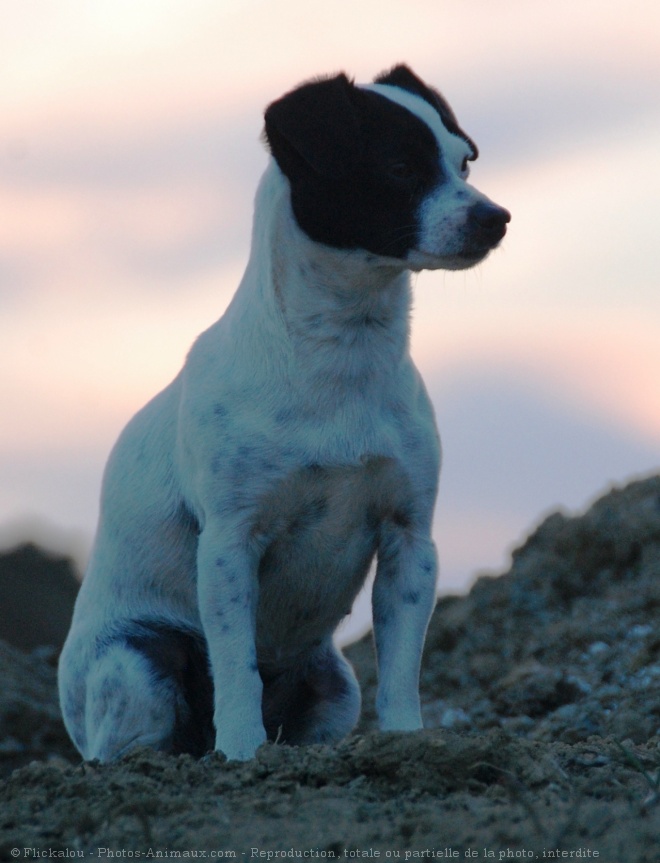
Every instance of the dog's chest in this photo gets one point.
(319, 529)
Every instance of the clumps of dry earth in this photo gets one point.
(541, 697)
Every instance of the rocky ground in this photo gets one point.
(542, 702)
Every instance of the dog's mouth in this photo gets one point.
(477, 248)
(469, 256)
(484, 229)
(465, 260)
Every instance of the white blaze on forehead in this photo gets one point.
(452, 147)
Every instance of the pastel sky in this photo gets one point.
(129, 156)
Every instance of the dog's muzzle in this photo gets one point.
(486, 225)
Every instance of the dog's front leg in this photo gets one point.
(228, 596)
(403, 599)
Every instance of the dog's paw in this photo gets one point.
(404, 723)
(401, 717)
(240, 745)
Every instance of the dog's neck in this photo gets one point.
(334, 304)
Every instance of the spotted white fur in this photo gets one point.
(242, 507)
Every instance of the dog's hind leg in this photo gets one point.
(148, 685)
(316, 701)
(125, 707)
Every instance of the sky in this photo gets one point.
(129, 156)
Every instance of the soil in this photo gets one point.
(541, 693)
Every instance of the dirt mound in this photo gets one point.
(541, 691)
(30, 720)
(37, 593)
(385, 792)
(566, 644)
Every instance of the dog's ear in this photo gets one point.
(315, 126)
(403, 76)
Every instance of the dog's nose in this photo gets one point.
(489, 215)
(489, 220)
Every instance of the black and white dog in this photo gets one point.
(243, 506)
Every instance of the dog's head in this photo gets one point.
(383, 168)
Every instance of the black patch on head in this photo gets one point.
(179, 657)
(402, 76)
(359, 165)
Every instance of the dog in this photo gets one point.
(243, 506)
